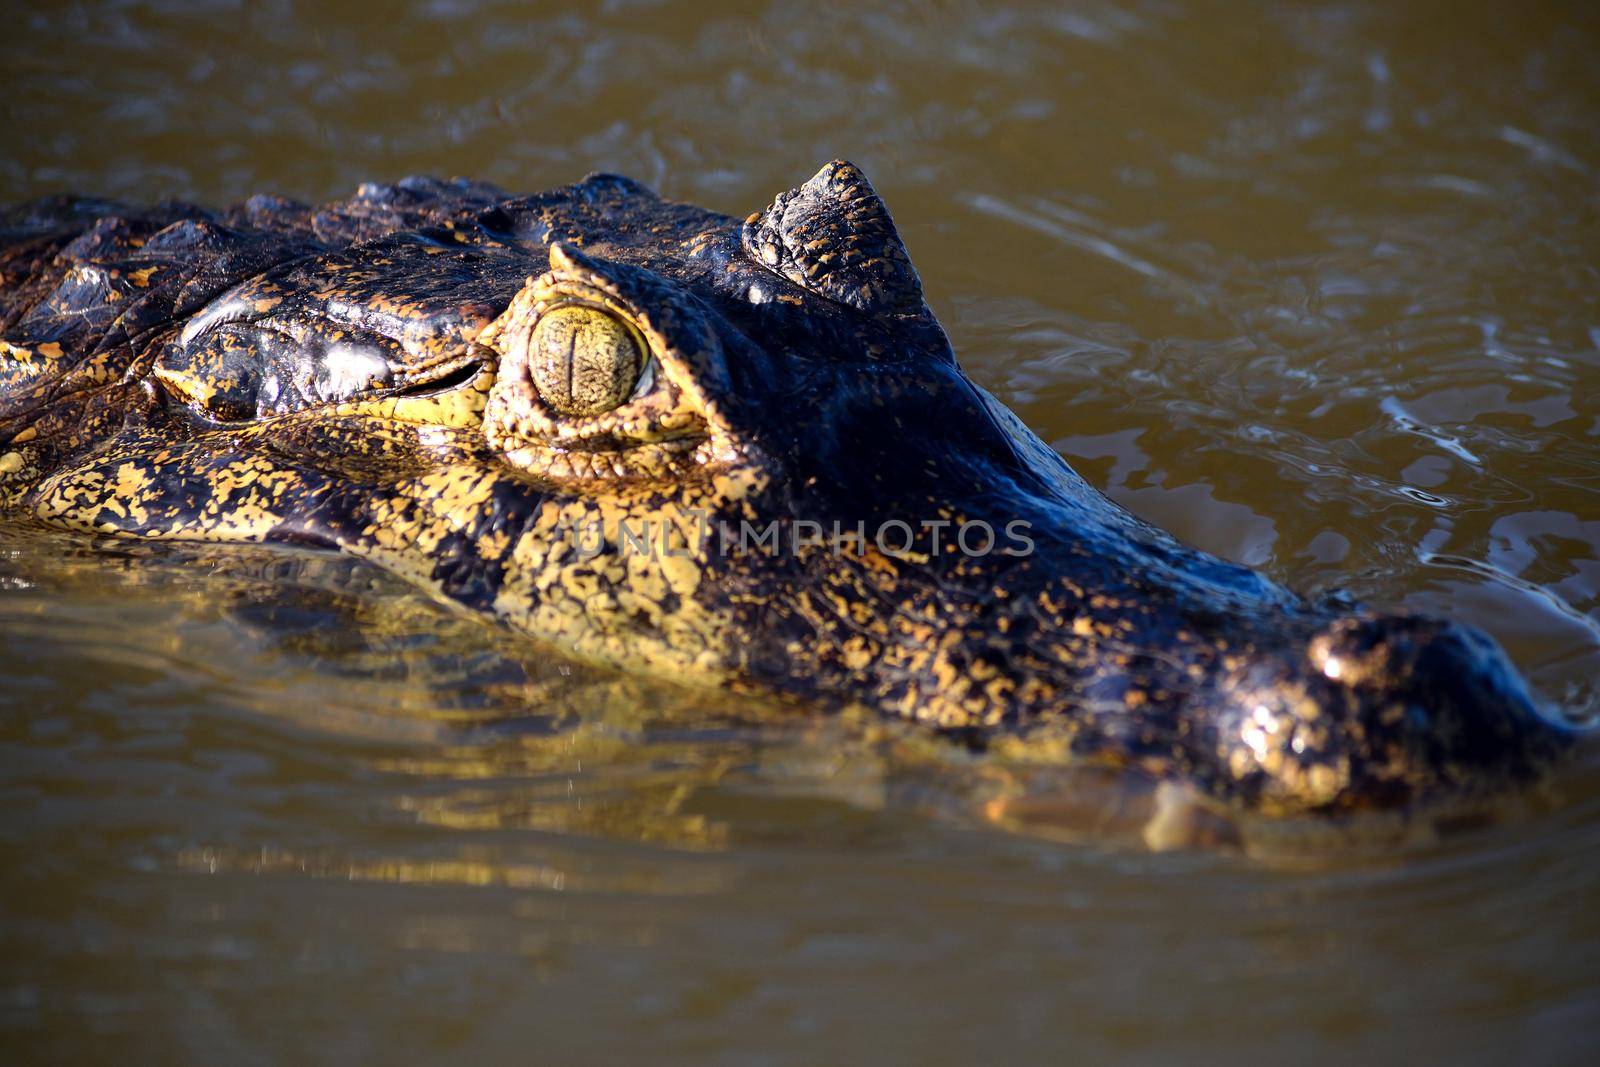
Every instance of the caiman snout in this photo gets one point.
(1382, 712)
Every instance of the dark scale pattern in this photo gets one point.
(834, 237)
(356, 376)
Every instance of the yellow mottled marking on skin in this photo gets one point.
(49, 348)
(16, 353)
(131, 479)
(10, 463)
(682, 574)
(494, 545)
(458, 490)
(1324, 783)
(191, 386)
(141, 278)
(856, 653)
(131, 482)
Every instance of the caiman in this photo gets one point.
(739, 453)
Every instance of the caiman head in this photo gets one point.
(739, 453)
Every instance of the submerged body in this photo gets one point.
(738, 453)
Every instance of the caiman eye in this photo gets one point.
(584, 361)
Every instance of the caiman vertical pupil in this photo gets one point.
(583, 361)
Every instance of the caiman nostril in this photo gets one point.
(1428, 700)
(1374, 650)
(1382, 711)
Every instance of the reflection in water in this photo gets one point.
(1311, 285)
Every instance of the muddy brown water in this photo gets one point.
(1313, 286)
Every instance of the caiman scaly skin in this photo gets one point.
(492, 395)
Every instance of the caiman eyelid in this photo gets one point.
(216, 316)
(647, 380)
(462, 374)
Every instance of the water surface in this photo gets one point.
(1313, 286)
